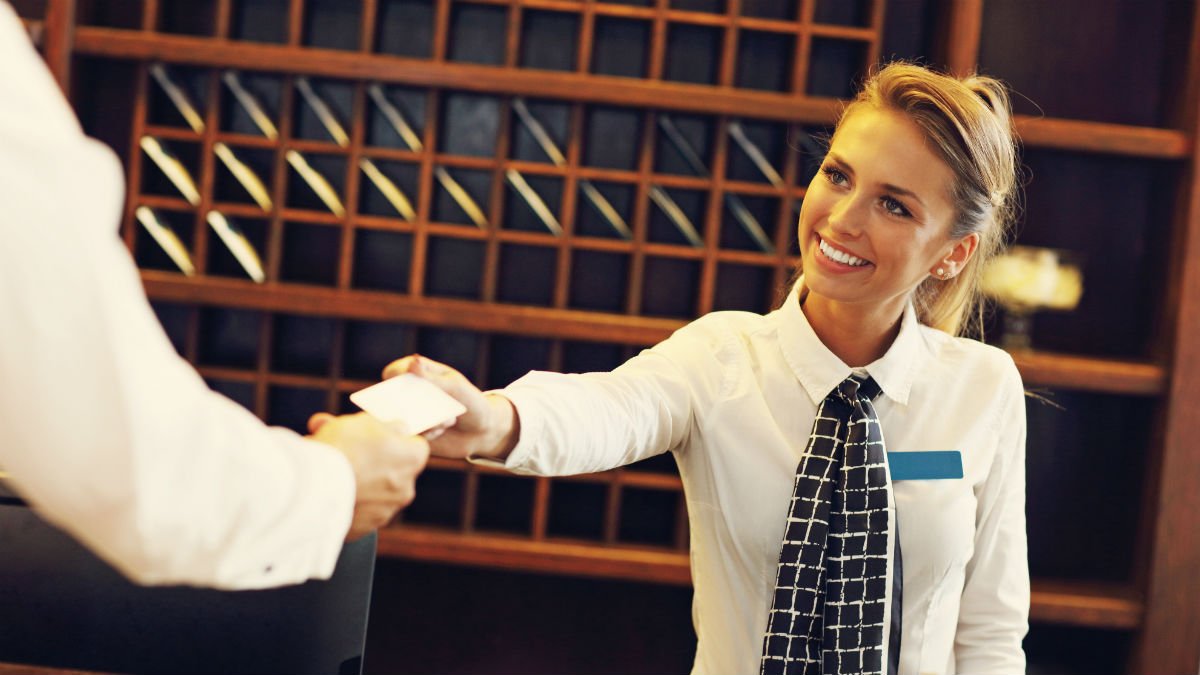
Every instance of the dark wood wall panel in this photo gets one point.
(1060, 57)
(523, 623)
(1085, 464)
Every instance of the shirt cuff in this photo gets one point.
(524, 401)
(329, 492)
(335, 479)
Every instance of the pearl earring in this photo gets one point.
(941, 273)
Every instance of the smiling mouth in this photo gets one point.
(840, 256)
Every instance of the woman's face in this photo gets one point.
(876, 218)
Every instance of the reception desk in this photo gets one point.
(62, 608)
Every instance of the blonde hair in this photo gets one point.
(969, 124)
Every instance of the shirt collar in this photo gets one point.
(820, 370)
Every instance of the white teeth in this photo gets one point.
(844, 258)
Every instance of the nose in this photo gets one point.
(845, 218)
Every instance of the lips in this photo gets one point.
(838, 255)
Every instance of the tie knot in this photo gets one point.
(855, 387)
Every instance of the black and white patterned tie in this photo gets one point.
(830, 609)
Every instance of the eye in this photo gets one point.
(895, 208)
(835, 176)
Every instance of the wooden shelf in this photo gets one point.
(313, 62)
(1114, 139)
(653, 565)
(277, 379)
(1037, 368)
(1090, 604)
(1079, 603)
(26, 669)
(696, 18)
(1035, 132)
(646, 480)
(1042, 369)
(446, 312)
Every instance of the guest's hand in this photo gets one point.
(489, 428)
(385, 461)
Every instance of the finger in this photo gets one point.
(370, 516)
(384, 512)
(357, 532)
(364, 522)
(394, 479)
(408, 458)
(426, 367)
(399, 366)
(398, 427)
(420, 449)
(448, 380)
(319, 420)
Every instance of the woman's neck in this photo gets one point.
(856, 334)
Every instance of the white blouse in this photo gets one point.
(733, 396)
(104, 429)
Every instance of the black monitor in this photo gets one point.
(61, 606)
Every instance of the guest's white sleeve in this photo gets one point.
(583, 423)
(994, 614)
(104, 429)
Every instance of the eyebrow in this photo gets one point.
(886, 186)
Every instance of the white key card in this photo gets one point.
(416, 402)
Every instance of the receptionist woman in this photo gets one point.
(853, 465)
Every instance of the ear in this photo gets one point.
(956, 257)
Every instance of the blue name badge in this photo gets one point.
(925, 465)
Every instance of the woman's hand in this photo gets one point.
(488, 429)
